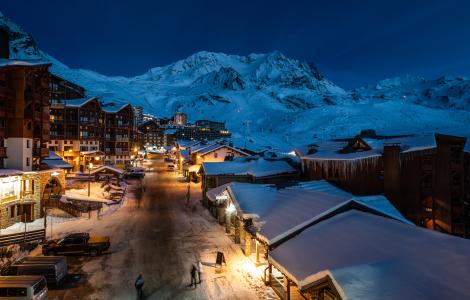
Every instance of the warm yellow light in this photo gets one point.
(97, 158)
(70, 150)
(230, 208)
(251, 269)
(135, 149)
(55, 174)
(198, 157)
(91, 165)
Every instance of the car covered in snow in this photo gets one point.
(77, 243)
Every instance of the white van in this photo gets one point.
(23, 288)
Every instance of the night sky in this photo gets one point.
(352, 42)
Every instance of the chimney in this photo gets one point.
(4, 44)
(392, 170)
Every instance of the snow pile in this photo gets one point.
(370, 257)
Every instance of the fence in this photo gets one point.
(67, 207)
(19, 238)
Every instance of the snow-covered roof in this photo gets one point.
(110, 168)
(55, 161)
(215, 147)
(198, 147)
(213, 193)
(185, 155)
(10, 172)
(330, 150)
(4, 62)
(169, 131)
(187, 143)
(280, 212)
(92, 152)
(371, 257)
(114, 109)
(256, 167)
(79, 102)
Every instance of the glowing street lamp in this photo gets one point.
(228, 216)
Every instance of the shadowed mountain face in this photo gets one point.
(269, 99)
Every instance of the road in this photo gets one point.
(158, 235)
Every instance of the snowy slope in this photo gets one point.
(444, 92)
(269, 99)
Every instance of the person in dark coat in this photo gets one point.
(199, 271)
(139, 284)
(193, 276)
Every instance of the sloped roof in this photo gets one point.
(109, 168)
(215, 147)
(115, 109)
(55, 161)
(371, 257)
(330, 150)
(256, 168)
(279, 213)
(4, 62)
(79, 102)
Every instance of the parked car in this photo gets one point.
(53, 268)
(23, 287)
(77, 243)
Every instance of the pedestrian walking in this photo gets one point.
(199, 271)
(188, 195)
(139, 284)
(193, 276)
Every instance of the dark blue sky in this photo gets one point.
(352, 42)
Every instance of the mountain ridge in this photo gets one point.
(269, 99)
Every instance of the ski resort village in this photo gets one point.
(229, 177)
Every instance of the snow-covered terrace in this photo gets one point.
(370, 257)
(279, 213)
(255, 167)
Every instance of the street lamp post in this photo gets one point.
(53, 175)
(89, 179)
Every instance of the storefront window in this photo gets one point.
(9, 187)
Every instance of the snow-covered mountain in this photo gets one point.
(444, 92)
(269, 99)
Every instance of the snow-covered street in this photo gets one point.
(157, 235)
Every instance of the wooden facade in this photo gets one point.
(24, 109)
(428, 186)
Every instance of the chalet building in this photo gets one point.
(246, 169)
(118, 135)
(258, 214)
(180, 119)
(76, 128)
(24, 113)
(62, 89)
(423, 176)
(361, 254)
(151, 134)
(215, 152)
